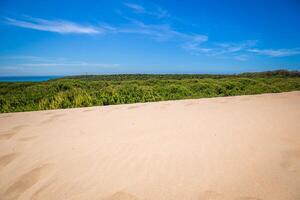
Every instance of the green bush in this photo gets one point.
(84, 91)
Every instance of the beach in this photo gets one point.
(225, 148)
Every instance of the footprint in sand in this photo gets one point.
(221, 101)
(5, 116)
(164, 105)
(37, 195)
(6, 159)
(48, 113)
(88, 110)
(52, 118)
(122, 196)
(247, 198)
(245, 99)
(10, 133)
(291, 160)
(7, 135)
(133, 107)
(26, 181)
(212, 195)
(190, 104)
(24, 139)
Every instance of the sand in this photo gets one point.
(230, 148)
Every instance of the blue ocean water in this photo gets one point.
(27, 78)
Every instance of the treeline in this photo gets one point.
(276, 73)
(81, 91)
(122, 77)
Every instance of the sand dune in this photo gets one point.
(231, 148)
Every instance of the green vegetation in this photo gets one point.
(81, 91)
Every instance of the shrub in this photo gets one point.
(72, 92)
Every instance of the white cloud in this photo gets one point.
(57, 26)
(161, 13)
(71, 64)
(242, 57)
(28, 58)
(21, 61)
(159, 32)
(196, 44)
(193, 45)
(277, 52)
(218, 49)
(158, 12)
(135, 7)
(236, 47)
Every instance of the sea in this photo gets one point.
(27, 78)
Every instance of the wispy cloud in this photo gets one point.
(57, 26)
(157, 12)
(276, 52)
(28, 58)
(37, 61)
(217, 49)
(236, 47)
(242, 57)
(74, 64)
(195, 43)
(158, 32)
(135, 7)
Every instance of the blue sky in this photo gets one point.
(54, 37)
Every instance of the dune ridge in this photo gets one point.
(227, 148)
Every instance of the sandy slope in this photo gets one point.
(232, 148)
